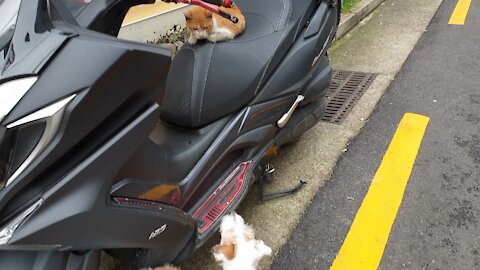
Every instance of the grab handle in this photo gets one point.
(210, 5)
(220, 3)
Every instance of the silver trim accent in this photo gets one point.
(12, 92)
(49, 11)
(244, 120)
(315, 60)
(157, 232)
(48, 111)
(284, 120)
(53, 115)
(7, 231)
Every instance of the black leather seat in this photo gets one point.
(208, 81)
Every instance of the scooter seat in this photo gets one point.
(210, 80)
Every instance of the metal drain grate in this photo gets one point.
(345, 90)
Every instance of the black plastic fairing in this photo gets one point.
(231, 147)
(16, 144)
(33, 43)
(299, 65)
(167, 156)
(111, 90)
(3, 57)
(102, 63)
(83, 194)
(317, 87)
(235, 143)
(316, 21)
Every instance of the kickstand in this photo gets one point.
(267, 177)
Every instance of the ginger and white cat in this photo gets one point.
(238, 248)
(203, 24)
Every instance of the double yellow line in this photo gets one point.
(460, 13)
(365, 242)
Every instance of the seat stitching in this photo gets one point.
(289, 15)
(261, 16)
(281, 16)
(193, 76)
(205, 84)
(269, 61)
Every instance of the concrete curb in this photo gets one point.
(356, 14)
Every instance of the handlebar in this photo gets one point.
(220, 3)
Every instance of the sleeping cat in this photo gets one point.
(203, 24)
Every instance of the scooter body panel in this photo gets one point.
(300, 64)
(76, 71)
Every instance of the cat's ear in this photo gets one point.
(188, 15)
(209, 15)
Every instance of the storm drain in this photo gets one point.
(345, 90)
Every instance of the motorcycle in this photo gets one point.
(108, 144)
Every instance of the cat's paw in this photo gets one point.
(214, 38)
(192, 40)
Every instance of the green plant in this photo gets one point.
(348, 4)
(176, 33)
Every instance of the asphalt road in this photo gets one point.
(437, 226)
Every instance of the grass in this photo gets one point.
(348, 4)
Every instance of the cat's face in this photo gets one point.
(199, 22)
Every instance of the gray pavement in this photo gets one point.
(437, 225)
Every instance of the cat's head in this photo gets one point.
(199, 22)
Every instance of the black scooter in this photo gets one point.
(107, 144)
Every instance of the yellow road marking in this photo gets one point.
(365, 243)
(460, 13)
(142, 12)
